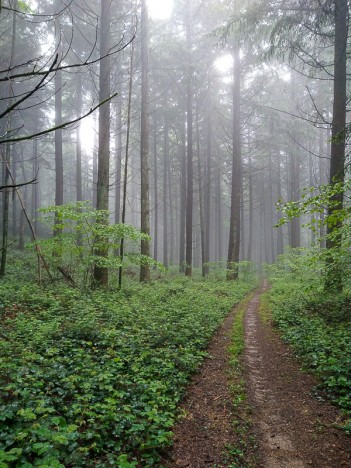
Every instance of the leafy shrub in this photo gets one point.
(93, 379)
(318, 326)
(81, 235)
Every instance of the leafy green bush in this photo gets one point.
(318, 326)
(81, 235)
(93, 379)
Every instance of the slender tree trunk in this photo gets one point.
(144, 141)
(295, 183)
(95, 165)
(79, 194)
(6, 192)
(35, 174)
(321, 168)
(126, 160)
(171, 218)
(190, 181)
(58, 133)
(102, 201)
(165, 176)
(219, 219)
(271, 208)
(250, 188)
(311, 183)
(155, 191)
(201, 199)
(14, 199)
(338, 141)
(5, 216)
(280, 240)
(234, 232)
(207, 198)
(118, 151)
(183, 198)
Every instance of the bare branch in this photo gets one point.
(58, 127)
(33, 91)
(15, 186)
(64, 67)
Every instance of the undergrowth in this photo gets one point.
(240, 453)
(94, 378)
(318, 326)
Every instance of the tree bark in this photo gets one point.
(58, 133)
(144, 142)
(190, 181)
(102, 195)
(155, 190)
(165, 194)
(338, 141)
(79, 194)
(207, 198)
(234, 232)
(126, 160)
(183, 198)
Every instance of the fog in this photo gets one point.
(188, 120)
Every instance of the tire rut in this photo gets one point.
(293, 430)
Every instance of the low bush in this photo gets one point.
(94, 378)
(318, 326)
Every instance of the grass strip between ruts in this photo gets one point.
(241, 453)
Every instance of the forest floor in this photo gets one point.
(280, 424)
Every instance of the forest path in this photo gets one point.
(291, 429)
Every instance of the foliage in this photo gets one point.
(81, 233)
(93, 379)
(322, 200)
(318, 326)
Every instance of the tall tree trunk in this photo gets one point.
(219, 217)
(79, 193)
(294, 196)
(6, 192)
(234, 232)
(294, 169)
(58, 133)
(183, 198)
(14, 199)
(155, 191)
(271, 208)
(201, 199)
(118, 151)
(280, 240)
(207, 199)
(35, 173)
(338, 141)
(250, 188)
(190, 180)
(102, 195)
(144, 141)
(165, 197)
(171, 218)
(126, 160)
(321, 168)
(5, 215)
(311, 183)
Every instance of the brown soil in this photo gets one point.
(292, 429)
(202, 434)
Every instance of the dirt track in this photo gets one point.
(291, 428)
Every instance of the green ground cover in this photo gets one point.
(94, 378)
(318, 326)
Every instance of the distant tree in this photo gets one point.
(144, 142)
